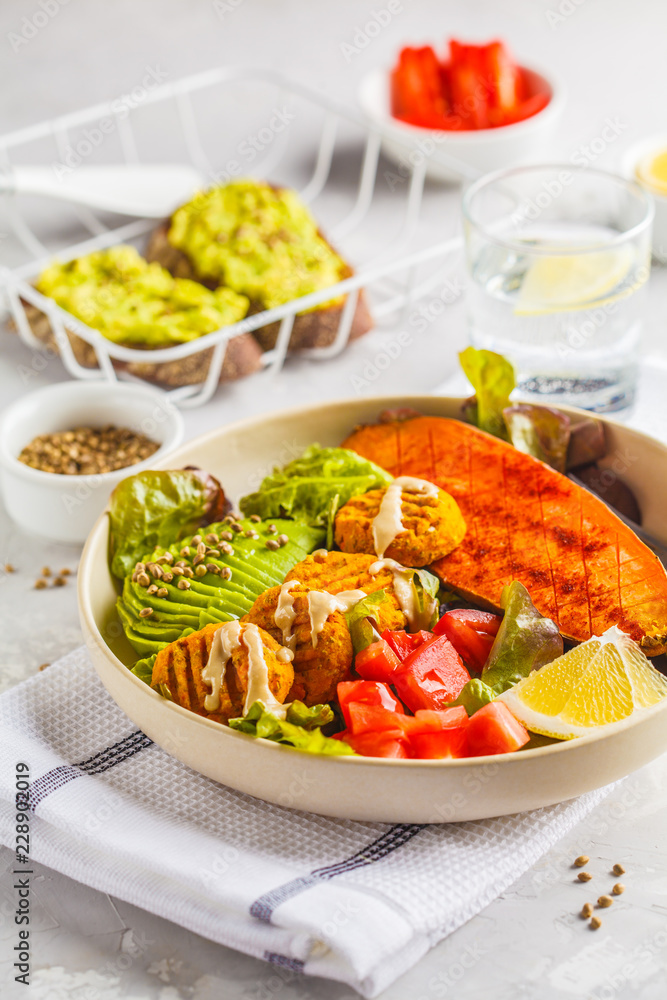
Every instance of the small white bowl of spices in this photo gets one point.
(63, 448)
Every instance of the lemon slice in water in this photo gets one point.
(573, 281)
(603, 680)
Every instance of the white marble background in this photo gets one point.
(528, 944)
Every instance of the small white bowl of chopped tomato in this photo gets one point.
(64, 447)
(461, 115)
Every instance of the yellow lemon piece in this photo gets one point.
(652, 171)
(569, 282)
(603, 680)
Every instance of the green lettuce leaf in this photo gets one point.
(315, 485)
(303, 734)
(493, 379)
(361, 620)
(540, 432)
(155, 508)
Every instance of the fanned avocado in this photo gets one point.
(255, 555)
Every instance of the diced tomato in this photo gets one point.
(471, 633)
(428, 720)
(404, 643)
(448, 742)
(368, 693)
(503, 76)
(366, 718)
(493, 729)
(417, 92)
(481, 621)
(377, 662)
(526, 109)
(431, 676)
(391, 743)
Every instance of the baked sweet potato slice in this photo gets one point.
(582, 566)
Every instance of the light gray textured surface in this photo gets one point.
(528, 944)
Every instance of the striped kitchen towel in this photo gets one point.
(355, 902)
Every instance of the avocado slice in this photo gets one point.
(254, 567)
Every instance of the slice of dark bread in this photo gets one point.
(242, 357)
(311, 329)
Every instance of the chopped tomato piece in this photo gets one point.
(449, 742)
(364, 718)
(503, 76)
(404, 643)
(526, 109)
(431, 676)
(481, 621)
(377, 662)
(493, 729)
(391, 743)
(416, 87)
(366, 692)
(428, 720)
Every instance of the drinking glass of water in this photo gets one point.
(558, 259)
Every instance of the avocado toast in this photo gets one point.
(263, 242)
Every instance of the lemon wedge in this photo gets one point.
(652, 171)
(574, 281)
(603, 680)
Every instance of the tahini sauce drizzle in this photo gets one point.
(321, 605)
(388, 521)
(285, 614)
(258, 675)
(226, 641)
(406, 594)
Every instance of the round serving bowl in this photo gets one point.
(628, 168)
(363, 788)
(64, 508)
(465, 155)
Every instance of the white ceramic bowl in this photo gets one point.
(362, 788)
(64, 508)
(459, 156)
(630, 161)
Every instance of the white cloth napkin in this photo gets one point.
(355, 902)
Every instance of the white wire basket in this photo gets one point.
(218, 121)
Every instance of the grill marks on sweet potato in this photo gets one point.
(583, 567)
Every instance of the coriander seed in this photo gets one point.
(595, 923)
(582, 860)
(618, 889)
(584, 876)
(605, 901)
(618, 869)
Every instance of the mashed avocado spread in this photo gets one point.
(131, 301)
(261, 241)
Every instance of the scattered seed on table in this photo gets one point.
(618, 889)
(582, 860)
(40, 583)
(43, 666)
(46, 571)
(618, 870)
(59, 581)
(145, 612)
(595, 923)
(584, 876)
(605, 901)
(587, 911)
(65, 571)
(9, 568)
